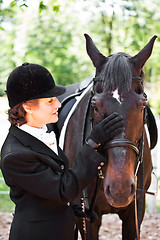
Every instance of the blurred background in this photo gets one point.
(51, 33)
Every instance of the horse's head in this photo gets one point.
(118, 87)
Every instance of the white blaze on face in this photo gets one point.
(116, 96)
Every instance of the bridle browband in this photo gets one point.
(137, 78)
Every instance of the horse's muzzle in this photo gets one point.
(120, 194)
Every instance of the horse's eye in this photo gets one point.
(98, 88)
(138, 87)
(138, 91)
(95, 109)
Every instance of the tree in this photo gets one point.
(48, 43)
(54, 37)
(48, 39)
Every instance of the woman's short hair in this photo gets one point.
(17, 114)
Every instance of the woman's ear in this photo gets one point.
(27, 107)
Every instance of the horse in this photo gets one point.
(116, 87)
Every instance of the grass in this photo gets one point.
(6, 205)
(158, 201)
(158, 205)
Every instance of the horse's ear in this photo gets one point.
(97, 58)
(140, 59)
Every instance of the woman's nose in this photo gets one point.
(58, 103)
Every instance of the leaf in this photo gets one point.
(23, 5)
(56, 8)
(13, 3)
(41, 7)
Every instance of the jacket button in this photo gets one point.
(99, 167)
(62, 167)
(102, 163)
(68, 204)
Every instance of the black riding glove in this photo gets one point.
(107, 128)
(78, 210)
(79, 213)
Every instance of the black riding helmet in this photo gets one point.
(31, 81)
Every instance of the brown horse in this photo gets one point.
(117, 87)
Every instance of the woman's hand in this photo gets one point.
(107, 129)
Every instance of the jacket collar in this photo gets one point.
(35, 144)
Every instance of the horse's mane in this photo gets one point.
(116, 73)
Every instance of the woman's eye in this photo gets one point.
(50, 101)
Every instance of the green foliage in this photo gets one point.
(50, 48)
(50, 42)
(52, 35)
(7, 58)
(20, 3)
(7, 13)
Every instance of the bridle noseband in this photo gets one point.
(121, 143)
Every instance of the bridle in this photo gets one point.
(139, 154)
(121, 143)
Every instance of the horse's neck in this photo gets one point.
(75, 129)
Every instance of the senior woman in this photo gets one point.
(35, 168)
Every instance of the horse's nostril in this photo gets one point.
(117, 191)
(108, 190)
(133, 189)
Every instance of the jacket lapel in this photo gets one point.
(34, 143)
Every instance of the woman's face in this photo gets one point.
(45, 112)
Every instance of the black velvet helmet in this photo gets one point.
(31, 81)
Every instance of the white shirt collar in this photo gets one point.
(41, 133)
(36, 132)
